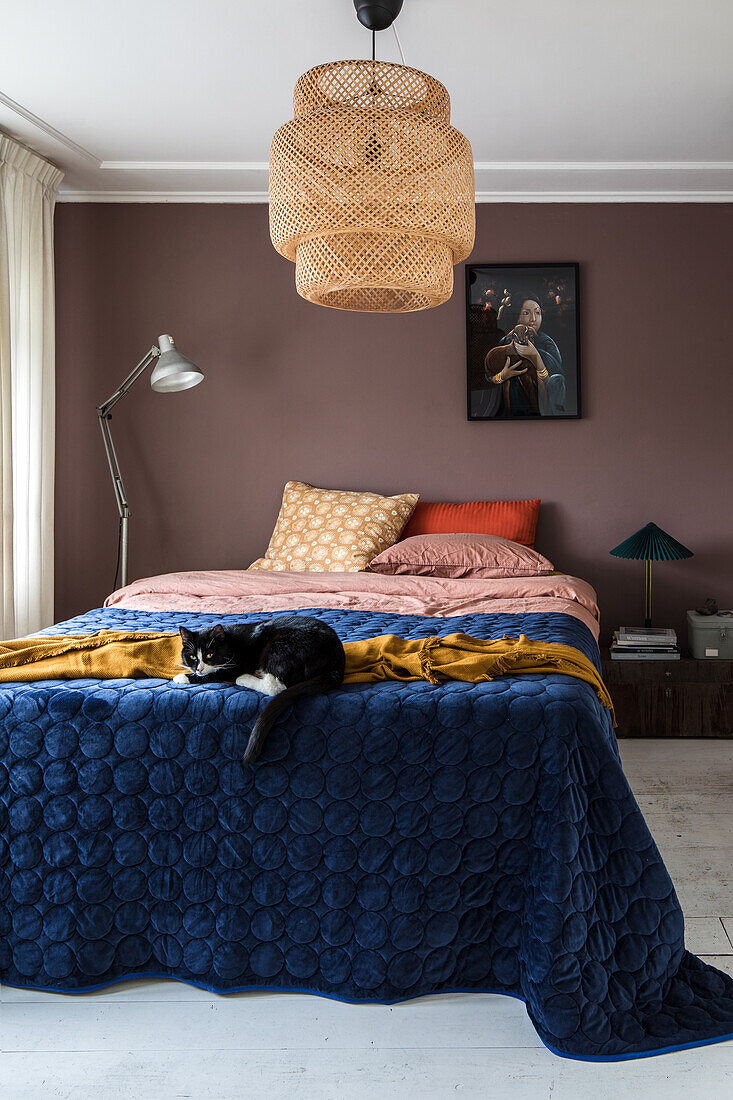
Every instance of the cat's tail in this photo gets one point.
(279, 703)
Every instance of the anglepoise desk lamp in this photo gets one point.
(172, 372)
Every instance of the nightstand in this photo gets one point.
(685, 698)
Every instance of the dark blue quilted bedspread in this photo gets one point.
(394, 840)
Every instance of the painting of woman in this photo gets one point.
(523, 373)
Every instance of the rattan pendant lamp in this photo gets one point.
(371, 188)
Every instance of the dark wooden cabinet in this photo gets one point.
(685, 698)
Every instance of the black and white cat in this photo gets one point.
(284, 657)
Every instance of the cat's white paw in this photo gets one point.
(181, 678)
(246, 680)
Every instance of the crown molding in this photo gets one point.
(590, 184)
(238, 197)
(604, 196)
(50, 131)
(479, 165)
(253, 197)
(186, 165)
(496, 182)
(603, 165)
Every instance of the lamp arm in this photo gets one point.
(114, 465)
(104, 416)
(106, 407)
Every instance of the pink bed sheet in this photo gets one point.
(231, 591)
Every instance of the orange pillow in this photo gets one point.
(507, 519)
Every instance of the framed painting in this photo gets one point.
(523, 345)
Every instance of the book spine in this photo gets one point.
(644, 648)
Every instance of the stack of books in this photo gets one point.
(640, 643)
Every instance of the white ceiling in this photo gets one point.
(176, 100)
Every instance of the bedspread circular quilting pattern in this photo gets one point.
(394, 840)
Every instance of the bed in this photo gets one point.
(394, 840)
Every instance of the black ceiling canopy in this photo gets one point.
(377, 15)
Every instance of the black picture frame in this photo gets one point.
(555, 395)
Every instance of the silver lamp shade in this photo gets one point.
(173, 371)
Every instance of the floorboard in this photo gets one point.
(245, 1023)
(359, 1074)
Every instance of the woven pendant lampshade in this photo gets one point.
(371, 188)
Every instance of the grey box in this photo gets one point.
(710, 636)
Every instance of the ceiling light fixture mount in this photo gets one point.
(371, 188)
(377, 15)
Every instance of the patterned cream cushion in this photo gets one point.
(330, 531)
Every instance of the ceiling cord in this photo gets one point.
(399, 44)
(397, 40)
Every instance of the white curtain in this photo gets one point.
(28, 187)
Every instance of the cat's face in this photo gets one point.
(205, 651)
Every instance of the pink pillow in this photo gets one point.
(460, 555)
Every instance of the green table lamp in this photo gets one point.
(650, 544)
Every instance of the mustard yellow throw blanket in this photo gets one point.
(119, 655)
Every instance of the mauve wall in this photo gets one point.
(354, 400)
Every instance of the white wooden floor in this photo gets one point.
(158, 1040)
